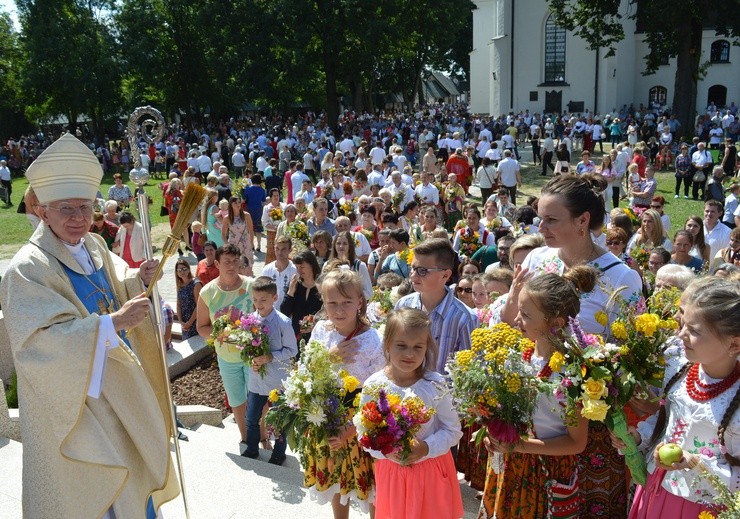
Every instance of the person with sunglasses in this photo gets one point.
(464, 291)
(452, 321)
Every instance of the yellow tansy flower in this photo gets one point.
(619, 330)
(273, 397)
(601, 318)
(350, 383)
(556, 361)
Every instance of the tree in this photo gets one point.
(72, 64)
(12, 119)
(671, 28)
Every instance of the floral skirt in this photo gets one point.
(347, 471)
(518, 492)
(655, 501)
(602, 475)
(421, 490)
(471, 460)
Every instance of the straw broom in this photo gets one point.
(193, 196)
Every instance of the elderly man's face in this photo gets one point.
(69, 219)
(342, 224)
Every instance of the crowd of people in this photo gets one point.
(382, 210)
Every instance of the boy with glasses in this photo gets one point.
(452, 320)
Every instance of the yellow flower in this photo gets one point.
(601, 318)
(343, 373)
(594, 389)
(238, 322)
(706, 515)
(619, 330)
(624, 350)
(273, 396)
(513, 382)
(393, 399)
(556, 361)
(464, 358)
(669, 324)
(350, 383)
(594, 409)
(356, 401)
(647, 324)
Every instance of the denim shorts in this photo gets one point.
(235, 376)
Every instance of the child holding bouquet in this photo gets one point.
(283, 347)
(339, 469)
(421, 481)
(699, 413)
(549, 456)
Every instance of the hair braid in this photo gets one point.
(660, 425)
(734, 404)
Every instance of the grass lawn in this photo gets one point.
(15, 230)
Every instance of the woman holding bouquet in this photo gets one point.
(421, 481)
(452, 197)
(570, 207)
(272, 215)
(470, 238)
(228, 290)
(545, 304)
(339, 470)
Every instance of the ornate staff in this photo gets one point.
(152, 130)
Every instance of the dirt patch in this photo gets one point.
(201, 385)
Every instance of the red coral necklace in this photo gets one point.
(546, 370)
(701, 392)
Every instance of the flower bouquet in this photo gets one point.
(397, 200)
(381, 304)
(493, 386)
(469, 242)
(368, 234)
(298, 232)
(494, 223)
(276, 215)
(634, 218)
(598, 378)
(317, 400)
(725, 504)
(245, 331)
(640, 255)
(389, 422)
(406, 255)
(346, 208)
(307, 323)
(664, 301)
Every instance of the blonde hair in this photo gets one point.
(348, 284)
(412, 319)
(560, 296)
(658, 236)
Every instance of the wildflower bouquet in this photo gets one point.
(634, 218)
(298, 231)
(382, 303)
(346, 208)
(389, 422)
(368, 234)
(307, 323)
(725, 504)
(406, 255)
(640, 255)
(664, 301)
(492, 384)
(317, 400)
(598, 378)
(397, 200)
(245, 332)
(469, 242)
(494, 223)
(276, 215)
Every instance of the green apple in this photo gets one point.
(669, 454)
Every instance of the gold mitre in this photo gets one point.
(66, 169)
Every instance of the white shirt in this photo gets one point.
(296, 181)
(5, 173)
(428, 193)
(377, 155)
(238, 160)
(282, 279)
(718, 238)
(701, 158)
(204, 164)
(508, 168)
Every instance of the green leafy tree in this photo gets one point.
(670, 27)
(12, 119)
(72, 62)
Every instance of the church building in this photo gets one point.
(522, 60)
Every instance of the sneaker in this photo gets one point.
(675, 196)
(686, 197)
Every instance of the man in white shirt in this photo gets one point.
(483, 146)
(238, 161)
(716, 234)
(282, 269)
(261, 162)
(376, 177)
(5, 179)
(715, 137)
(204, 163)
(347, 147)
(297, 178)
(428, 193)
(509, 174)
(377, 153)
(397, 186)
(701, 160)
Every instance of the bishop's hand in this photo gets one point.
(132, 313)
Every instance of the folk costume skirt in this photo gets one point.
(653, 500)
(518, 492)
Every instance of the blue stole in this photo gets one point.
(95, 293)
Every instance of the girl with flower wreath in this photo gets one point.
(338, 469)
(453, 197)
(698, 412)
(470, 238)
(522, 487)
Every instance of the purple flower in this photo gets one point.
(383, 405)
(503, 431)
(577, 331)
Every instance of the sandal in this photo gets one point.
(266, 445)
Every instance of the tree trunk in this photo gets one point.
(687, 74)
(330, 72)
(359, 95)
